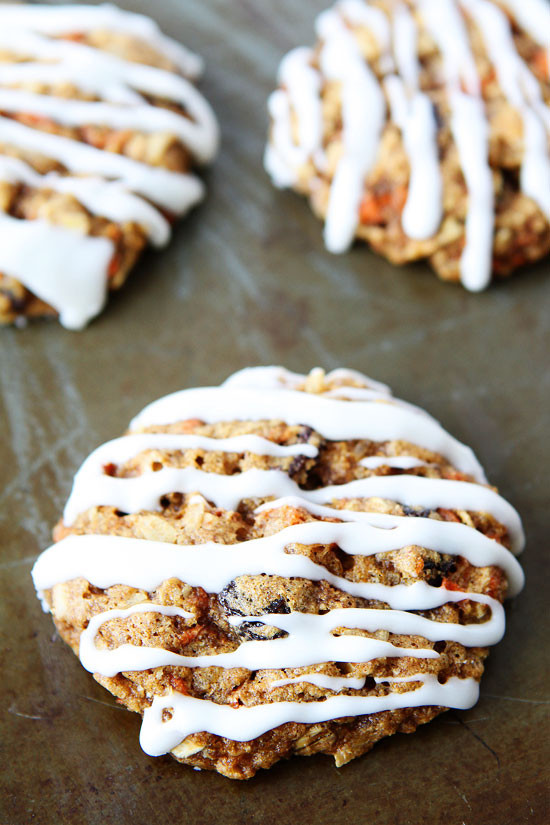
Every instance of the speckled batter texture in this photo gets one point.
(190, 519)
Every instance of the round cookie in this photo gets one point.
(100, 129)
(282, 565)
(422, 127)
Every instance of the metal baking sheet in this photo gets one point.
(247, 281)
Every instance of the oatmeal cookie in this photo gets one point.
(100, 129)
(282, 565)
(422, 127)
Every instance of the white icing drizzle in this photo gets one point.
(279, 378)
(310, 639)
(402, 462)
(363, 114)
(470, 131)
(379, 419)
(171, 190)
(413, 112)
(100, 197)
(449, 537)
(301, 94)
(522, 91)
(68, 112)
(58, 20)
(143, 492)
(533, 16)
(322, 680)
(121, 85)
(191, 715)
(77, 293)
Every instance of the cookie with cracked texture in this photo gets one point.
(423, 128)
(282, 565)
(101, 127)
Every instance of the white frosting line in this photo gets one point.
(105, 198)
(301, 94)
(414, 113)
(243, 724)
(402, 462)
(533, 16)
(519, 86)
(58, 20)
(363, 116)
(212, 566)
(143, 492)
(139, 118)
(448, 537)
(43, 258)
(279, 378)
(171, 190)
(334, 419)
(470, 131)
(310, 641)
(322, 680)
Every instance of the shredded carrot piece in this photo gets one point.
(448, 515)
(541, 63)
(374, 207)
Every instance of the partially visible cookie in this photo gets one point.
(423, 128)
(101, 127)
(282, 565)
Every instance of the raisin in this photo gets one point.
(277, 606)
(412, 511)
(249, 630)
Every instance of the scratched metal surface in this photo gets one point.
(247, 281)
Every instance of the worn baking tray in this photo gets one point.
(247, 281)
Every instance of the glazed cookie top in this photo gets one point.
(417, 64)
(411, 460)
(67, 73)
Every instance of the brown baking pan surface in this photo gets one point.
(246, 281)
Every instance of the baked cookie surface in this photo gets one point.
(100, 129)
(282, 565)
(423, 128)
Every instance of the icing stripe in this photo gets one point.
(414, 113)
(334, 419)
(107, 199)
(43, 257)
(445, 536)
(310, 641)
(56, 20)
(519, 86)
(322, 680)
(191, 715)
(143, 492)
(139, 118)
(301, 94)
(363, 113)
(212, 566)
(172, 190)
